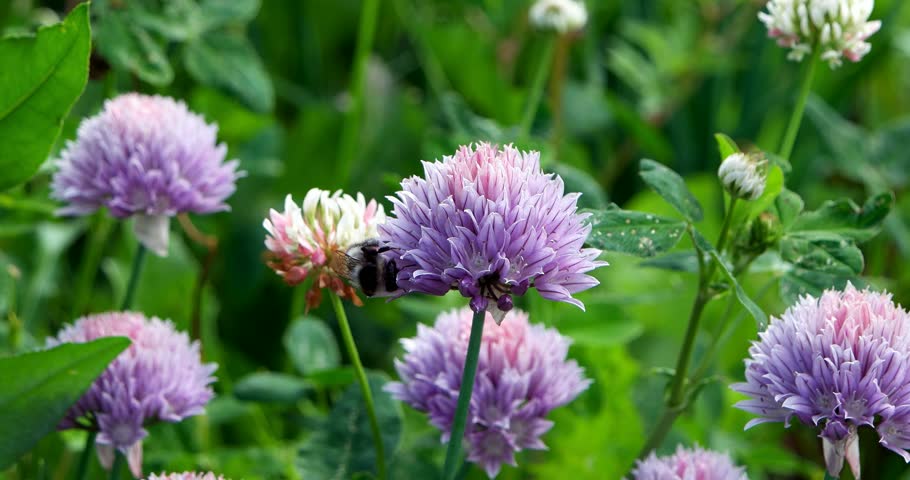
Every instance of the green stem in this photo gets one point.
(537, 88)
(725, 228)
(82, 466)
(786, 146)
(88, 269)
(119, 460)
(350, 134)
(348, 339)
(138, 262)
(453, 452)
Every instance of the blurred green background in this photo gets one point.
(652, 78)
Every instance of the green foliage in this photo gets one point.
(51, 69)
(342, 445)
(635, 233)
(271, 387)
(39, 387)
(311, 345)
(671, 186)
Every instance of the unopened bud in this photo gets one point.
(563, 16)
(744, 174)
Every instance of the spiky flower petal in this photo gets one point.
(160, 377)
(688, 464)
(310, 241)
(489, 223)
(838, 27)
(522, 375)
(147, 157)
(837, 362)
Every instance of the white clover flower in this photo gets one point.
(743, 175)
(563, 16)
(838, 27)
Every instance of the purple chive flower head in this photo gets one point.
(149, 157)
(522, 374)
(837, 362)
(185, 476)
(489, 223)
(160, 377)
(688, 464)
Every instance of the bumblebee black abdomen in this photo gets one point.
(390, 276)
(368, 280)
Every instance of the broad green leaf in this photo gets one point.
(576, 180)
(228, 62)
(725, 145)
(336, 377)
(39, 387)
(40, 79)
(787, 206)
(799, 281)
(311, 345)
(843, 217)
(636, 233)
(342, 445)
(761, 319)
(671, 186)
(129, 46)
(822, 252)
(218, 13)
(271, 387)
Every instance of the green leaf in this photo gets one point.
(218, 13)
(671, 186)
(576, 180)
(39, 387)
(311, 345)
(342, 446)
(800, 281)
(271, 387)
(787, 206)
(636, 233)
(725, 145)
(41, 80)
(336, 377)
(128, 46)
(843, 217)
(674, 262)
(761, 319)
(823, 252)
(228, 62)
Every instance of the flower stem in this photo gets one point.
(118, 465)
(88, 268)
(725, 228)
(82, 466)
(348, 339)
(540, 80)
(786, 146)
(453, 452)
(138, 262)
(351, 131)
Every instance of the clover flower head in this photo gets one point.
(160, 377)
(837, 362)
(522, 375)
(310, 241)
(185, 476)
(147, 157)
(489, 223)
(562, 16)
(838, 27)
(744, 175)
(688, 464)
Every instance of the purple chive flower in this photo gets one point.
(185, 476)
(688, 464)
(160, 377)
(149, 157)
(489, 223)
(522, 374)
(837, 362)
